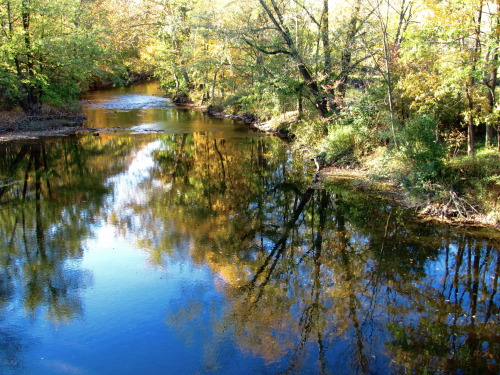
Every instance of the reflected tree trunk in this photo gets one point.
(223, 169)
(278, 249)
(351, 293)
(19, 159)
(491, 303)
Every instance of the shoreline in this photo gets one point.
(20, 135)
(357, 178)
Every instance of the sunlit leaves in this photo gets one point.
(47, 50)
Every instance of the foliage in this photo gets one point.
(48, 51)
(422, 148)
(340, 142)
(358, 130)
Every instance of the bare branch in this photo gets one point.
(266, 51)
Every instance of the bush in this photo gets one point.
(481, 172)
(353, 134)
(340, 142)
(307, 135)
(420, 147)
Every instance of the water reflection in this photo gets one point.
(318, 279)
(145, 108)
(51, 194)
(36, 227)
(258, 267)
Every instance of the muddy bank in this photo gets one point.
(17, 126)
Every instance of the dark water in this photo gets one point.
(206, 249)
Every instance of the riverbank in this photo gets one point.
(456, 210)
(427, 210)
(17, 126)
(433, 203)
(437, 203)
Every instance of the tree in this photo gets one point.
(474, 56)
(48, 51)
(391, 20)
(490, 78)
(288, 46)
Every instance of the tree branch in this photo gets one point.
(265, 51)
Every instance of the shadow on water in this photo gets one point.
(305, 279)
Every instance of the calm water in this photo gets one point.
(204, 248)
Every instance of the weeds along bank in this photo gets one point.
(429, 168)
(423, 156)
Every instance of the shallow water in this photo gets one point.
(206, 249)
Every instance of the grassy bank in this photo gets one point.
(422, 157)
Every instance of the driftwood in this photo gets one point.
(449, 205)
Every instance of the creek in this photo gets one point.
(184, 244)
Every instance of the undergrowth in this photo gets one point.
(417, 161)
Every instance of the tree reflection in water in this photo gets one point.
(317, 280)
(320, 279)
(50, 196)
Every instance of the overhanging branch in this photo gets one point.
(266, 51)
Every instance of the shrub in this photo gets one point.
(420, 147)
(340, 142)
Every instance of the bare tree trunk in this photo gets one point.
(277, 19)
(472, 81)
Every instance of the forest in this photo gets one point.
(405, 89)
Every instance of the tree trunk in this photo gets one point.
(388, 77)
(319, 99)
(300, 105)
(325, 38)
(214, 83)
(471, 150)
(328, 69)
(491, 85)
(276, 18)
(31, 92)
(472, 81)
(491, 80)
(347, 50)
(489, 137)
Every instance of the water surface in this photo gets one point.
(206, 248)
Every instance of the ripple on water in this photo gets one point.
(131, 101)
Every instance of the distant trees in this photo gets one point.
(48, 50)
(411, 57)
(450, 68)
